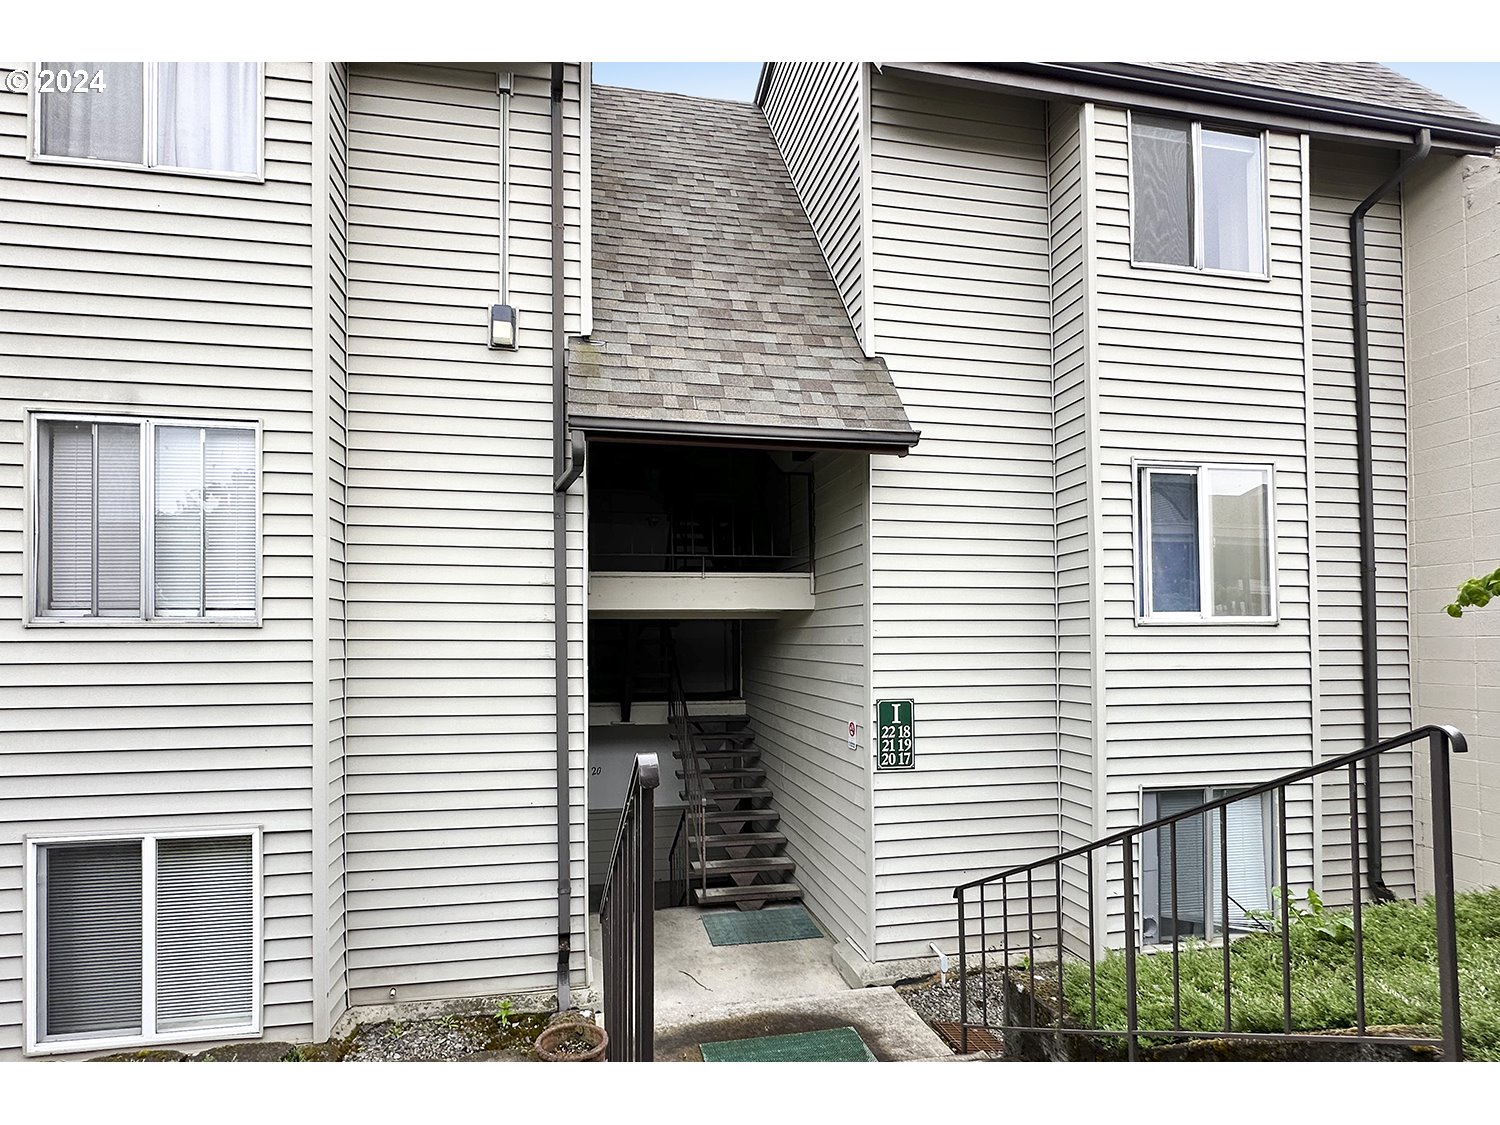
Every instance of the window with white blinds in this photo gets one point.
(145, 519)
(118, 915)
(1185, 898)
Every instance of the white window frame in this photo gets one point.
(148, 112)
(1208, 793)
(148, 615)
(1141, 550)
(34, 924)
(1195, 235)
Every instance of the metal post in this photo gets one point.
(1442, 864)
(963, 980)
(1128, 854)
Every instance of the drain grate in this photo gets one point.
(979, 1038)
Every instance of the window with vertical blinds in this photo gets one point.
(144, 519)
(101, 942)
(1185, 898)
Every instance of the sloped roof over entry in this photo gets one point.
(715, 316)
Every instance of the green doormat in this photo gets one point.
(750, 927)
(841, 1044)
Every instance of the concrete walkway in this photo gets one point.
(708, 994)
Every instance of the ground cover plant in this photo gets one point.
(1401, 982)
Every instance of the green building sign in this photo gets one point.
(896, 735)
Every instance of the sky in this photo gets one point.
(1476, 85)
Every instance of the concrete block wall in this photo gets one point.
(1453, 251)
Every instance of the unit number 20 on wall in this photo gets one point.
(896, 735)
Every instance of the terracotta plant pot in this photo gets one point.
(561, 1042)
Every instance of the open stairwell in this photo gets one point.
(736, 853)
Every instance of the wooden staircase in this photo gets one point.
(736, 854)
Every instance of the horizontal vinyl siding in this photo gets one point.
(164, 294)
(450, 786)
(1341, 177)
(813, 109)
(1202, 367)
(962, 560)
(805, 681)
(1066, 188)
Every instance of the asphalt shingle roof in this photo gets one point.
(713, 305)
(1364, 83)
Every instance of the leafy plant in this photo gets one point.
(1476, 593)
(503, 1013)
(1312, 919)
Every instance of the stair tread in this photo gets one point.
(743, 839)
(736, 771)
(753, 891)
(746, 863)
(742, 814)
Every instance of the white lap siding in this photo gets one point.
(137, 292)
(814, 110)
(1068, 144)
(962, 571)
(1202, 367)
(806, 679)
(1341, 177)
(451, 808)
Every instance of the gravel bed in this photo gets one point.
(937, 1001)
(414, 1041)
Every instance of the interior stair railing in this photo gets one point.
(1047, 910)
(692, 827)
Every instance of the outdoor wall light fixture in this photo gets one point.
(503, 326)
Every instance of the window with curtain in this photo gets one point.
(1204, 537)
(98, 951)
(1197, 196)
(186, 117)
(1181, 889)
(146, 520)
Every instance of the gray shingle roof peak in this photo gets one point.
(714, 310)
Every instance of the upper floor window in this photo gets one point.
(177, 117)
(1205, 543)
(146, 520)
(1198, 196)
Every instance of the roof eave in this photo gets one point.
(695, 432)
(1154, 87)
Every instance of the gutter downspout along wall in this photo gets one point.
(1369, 617)
(560, 553)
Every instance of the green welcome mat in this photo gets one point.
(750, 927)
(841, 1044)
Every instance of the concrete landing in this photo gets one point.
(892, 1031)
(694, 976)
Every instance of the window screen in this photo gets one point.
(1174, 542)
(90, 477)
(107, 124)
(92, 983)
(1163, 191)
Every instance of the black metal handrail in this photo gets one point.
(1442, 741)
(626, 921)
(694, 825)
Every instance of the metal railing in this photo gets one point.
(704, 532)
(626, 920)
(693, 825)
(1069, 879)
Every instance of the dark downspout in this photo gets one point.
(1369, 620)
(560, 558)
